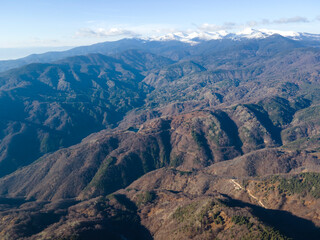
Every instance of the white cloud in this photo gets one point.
(264, 22)
(213, 27)
(102, 32)
(252, 23)
(258, 23)
(95, 31)
(296, 19)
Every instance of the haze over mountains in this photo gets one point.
(185, 137)
(192, 38)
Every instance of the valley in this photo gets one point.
(139, 139)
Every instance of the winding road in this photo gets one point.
(239, 187)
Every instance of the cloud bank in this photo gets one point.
(154, 30)
(296, 19)
(213, 27)
(264, 22)
(103, 33)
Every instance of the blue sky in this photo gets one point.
(56, 23)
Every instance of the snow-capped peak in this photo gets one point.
(251, 33)
(248, 33)
(291, 34)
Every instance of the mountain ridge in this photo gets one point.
(176, 40)
(248, 33)
(167, 140)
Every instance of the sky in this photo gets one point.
(45, 24)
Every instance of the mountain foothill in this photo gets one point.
(151, 139)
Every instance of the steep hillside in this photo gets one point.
(50, 99)
(108, 161)
(163, 140)
(44, 107)
(168, 203)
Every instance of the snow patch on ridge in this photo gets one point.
(248, 33)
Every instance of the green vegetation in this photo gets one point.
(269, 233)
(146, 197)
(96, 181)
(308, 114)
(253, 137)
(198, 138)
(176, 161)
(279, 110)
(185, 212)
(226, 83)
(302, 184)
(149, 159)
(99, 182)
(311, 91)
(165, 146)
(202, 143)
(303, 134)
(242, 220)
(50, 143)
(215, 133)
(198, 217)
(209, 215)
(257, 231)
(300, 103)
(208, 218)
(304, 143)
(184, 172)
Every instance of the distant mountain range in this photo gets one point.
(162, 45)
(249, 33)
(190, 136)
